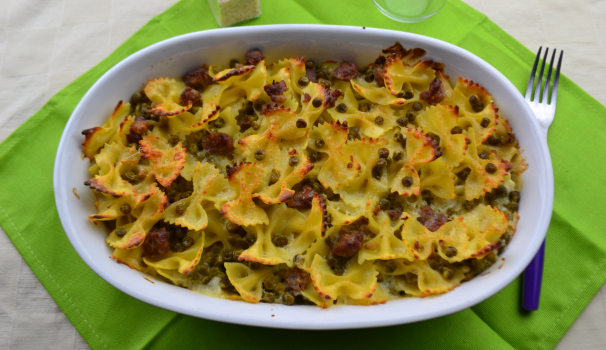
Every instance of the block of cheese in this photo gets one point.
(230, 12)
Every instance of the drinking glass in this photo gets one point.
(409, 11)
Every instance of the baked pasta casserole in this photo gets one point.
(308, 183)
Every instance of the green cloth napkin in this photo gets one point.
(109, 319)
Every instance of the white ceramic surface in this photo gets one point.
(178, 55)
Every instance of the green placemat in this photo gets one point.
(109, 319)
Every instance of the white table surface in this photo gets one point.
(46, 44)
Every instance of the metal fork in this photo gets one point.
(544, 112)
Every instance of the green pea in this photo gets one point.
(377, 173)
(279, 289)
(398, 155)
(303, 81)
(320, 143)
(383, 152)
(288, 299)
(447, 273)
(468, 205)
(478, 107)
(188, 242)
(279, 241)
(125, 208)
(219, 123)
(317, 102)
(417, 106)
(474, 100)
(493, 140)
(390, 266)
(293, 161)
(381, 163)
(407, 181)
(369, 78)
(401, 122)
(120, 232)
(491, 168)
(237, 253)
(259, 154)
(411, 115)
(408, 95)
(173, 139)
(310, 64)
(398, 137)
(250, 239)
(379, 120)
(301, 124)
(483, 155)
(364, 108)
(512, 206)
(514, 196)
(180, 209)
(178, 247)
(464, 174)
(324, 82)
(339, 270)
(341, 108)
(485, 122)
(225, 283)
(501, 191)
(258, 104)
(227, 254)
(275, 177)
(450, 251)
(270, 282)
(269, 297)
(456, 130)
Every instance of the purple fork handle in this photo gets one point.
(533, 276)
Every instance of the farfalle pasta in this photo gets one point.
(297, 182)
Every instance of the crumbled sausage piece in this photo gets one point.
(268, 107)
(139, 126)
(218, 143)
(430, 219)
(346, 71)
(296, 279)
(253, 57)
(306, 97)
(359, 225)
(189, 95)
(380, 76)
(348, 244)
(276, 91)
(435, 94)
(157, 242)
(302, 199)
(311, 74)
(245, 123)
(396, 49)
(133, 138)
(394, 214)
(198, 78)
(331, 97)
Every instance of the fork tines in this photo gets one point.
(554, 90)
